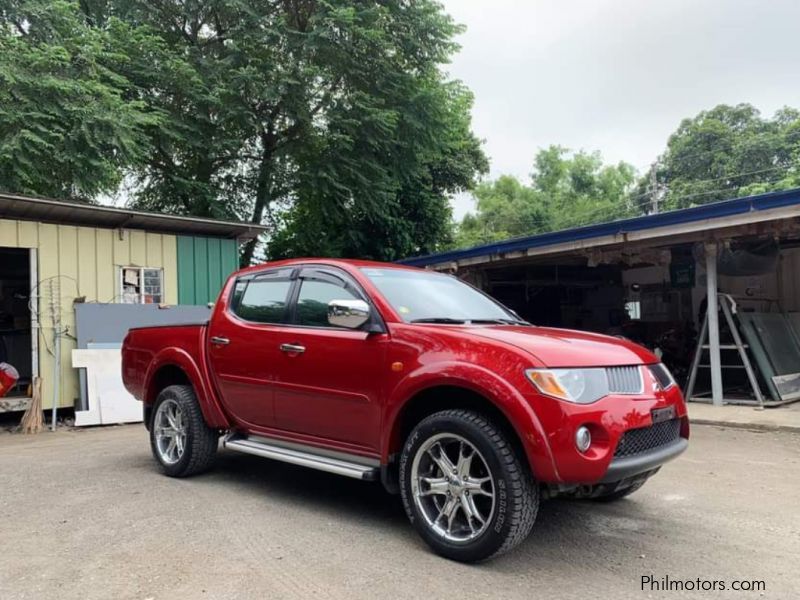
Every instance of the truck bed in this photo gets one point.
(148, 347)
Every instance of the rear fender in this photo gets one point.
(488, 385)
(212, 411)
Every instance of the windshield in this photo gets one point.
(420, 296)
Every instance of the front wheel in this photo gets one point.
(464, 488)
(181, 441)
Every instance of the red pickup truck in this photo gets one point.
(414, 378)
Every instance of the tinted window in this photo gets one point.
(425, 295)
(312, 303)
(263, 300)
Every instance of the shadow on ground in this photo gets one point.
(576, 531)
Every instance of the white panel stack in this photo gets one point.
(109, 402)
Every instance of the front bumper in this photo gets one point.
(630, 466)
(608, 420)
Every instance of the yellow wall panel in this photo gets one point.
(8, 233)
(122, 247)
(138, 248)
(106, 273)
(83, 261)
(28, 234)
(87, 262)
(154, 256)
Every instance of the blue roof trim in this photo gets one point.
(713, 210)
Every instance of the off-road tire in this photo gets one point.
(517, 494)
(201, 440)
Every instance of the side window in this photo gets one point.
(262, 301)
(312, 302)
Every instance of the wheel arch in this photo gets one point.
(166, 375)
(511, 414)
(175, 367)
(449, 396)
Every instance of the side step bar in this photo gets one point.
(303, 458)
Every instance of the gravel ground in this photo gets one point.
(86, 515)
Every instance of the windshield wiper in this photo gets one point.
(451, 321)
(499, 322)
(439, 320)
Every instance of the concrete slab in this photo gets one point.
(786, 417)
(87, 516)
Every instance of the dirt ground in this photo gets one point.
(86, 515)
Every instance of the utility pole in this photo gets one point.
(654, 188)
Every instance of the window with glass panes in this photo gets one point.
(141, 285)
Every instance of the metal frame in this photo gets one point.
(738, 211)
(33, 273)
(121, 283)
(710, 341)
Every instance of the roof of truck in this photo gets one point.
(334, 262)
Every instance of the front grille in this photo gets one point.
(637, 441)
(624, 380)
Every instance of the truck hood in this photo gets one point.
(568, 348)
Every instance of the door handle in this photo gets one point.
(220, 341)
(293, 348)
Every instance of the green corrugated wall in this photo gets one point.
(203, 266)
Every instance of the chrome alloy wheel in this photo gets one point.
(452, 487)
(170, 431)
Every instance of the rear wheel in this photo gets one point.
(463, 487)
(181, 441)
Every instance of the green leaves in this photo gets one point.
(330, 120)
(68, 128)
(566, 190)
(730, 151)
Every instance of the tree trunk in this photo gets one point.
(263, 195)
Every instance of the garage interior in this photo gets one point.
(15, 318)
(657, 298)
(648, 279)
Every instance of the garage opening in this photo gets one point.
(15, 322)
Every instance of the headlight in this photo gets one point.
(582, 386)
(662, 376)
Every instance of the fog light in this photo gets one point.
(583, 439)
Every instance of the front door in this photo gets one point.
(243, 345)
(328, 382)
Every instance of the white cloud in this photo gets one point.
(616, 75)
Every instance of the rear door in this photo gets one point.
(243, 345)
(328, 383)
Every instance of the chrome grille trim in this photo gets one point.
(625, 380)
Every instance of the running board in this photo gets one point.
(303, 458)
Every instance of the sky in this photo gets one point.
(615, 75)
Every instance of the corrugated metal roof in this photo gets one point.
(712, 210)
(46, 210)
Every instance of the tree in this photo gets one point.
(330, 120)
(566, 190)
(726, 152)
(579, 189)
(505, 208)
(68, 126)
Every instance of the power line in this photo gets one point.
(625, 211)
(745, 142)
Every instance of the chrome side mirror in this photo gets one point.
(351, 314)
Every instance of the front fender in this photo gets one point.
(487, 384)
(209, 405)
